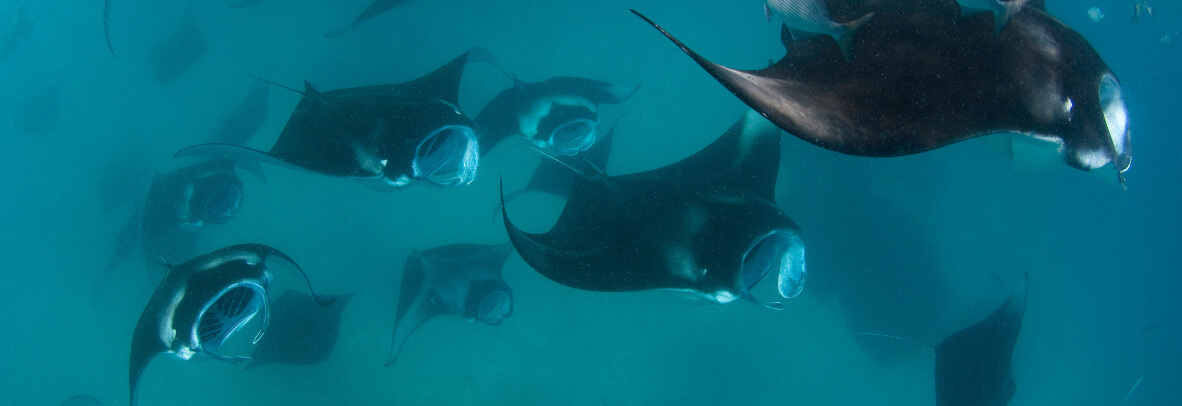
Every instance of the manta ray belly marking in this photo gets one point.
(167, 332)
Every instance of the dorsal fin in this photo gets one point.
(444, 83)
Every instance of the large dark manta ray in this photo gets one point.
(922, 76)
(301, 331)
(707, 224)
(385, 136)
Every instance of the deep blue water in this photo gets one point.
(904, 246)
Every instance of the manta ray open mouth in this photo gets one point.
(495, 307)
(219, 201)
(488, 301)
(1116, 116)
(574, 136)
(228, 312)
(447, 157)
(781, 251)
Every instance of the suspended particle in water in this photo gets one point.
(1096, 14)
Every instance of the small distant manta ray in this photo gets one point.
(174, 56)
(37, 112)
(922, 76)
(107, 25)
(375, 8)
(301, 331)
(241, 124)
(82, 401)
(127, 243)
(203, 302)
(973, 364)
(386, 136)
(1141, 7)
(707, 225)
(20, 30)
(183, 201)
(559, 115)
(459, 280)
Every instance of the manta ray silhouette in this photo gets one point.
(460, 280)
(385, 136)
(923, 76)
(707, 224)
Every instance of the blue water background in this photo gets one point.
(904, 246)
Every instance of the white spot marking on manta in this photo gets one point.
(724, 297)
(185, 353)
(1093, 159)
(717, 298)
(402, 181)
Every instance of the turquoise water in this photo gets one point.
(917, 246)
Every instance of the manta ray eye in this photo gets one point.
(779, 251)
(447, 157)
(495, 307)
(226, 313)
(1116, 116)
(217, 198)
(574, 136)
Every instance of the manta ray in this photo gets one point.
(384, 136)
(707, 225)
(203, 302)
(922, 76)
(459, 280)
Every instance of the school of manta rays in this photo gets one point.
(708, 225)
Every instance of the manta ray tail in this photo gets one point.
(245, 156)
(1130, 394)
(845, 41)
(309, 91)
(898, 338)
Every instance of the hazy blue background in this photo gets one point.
(903, 246)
